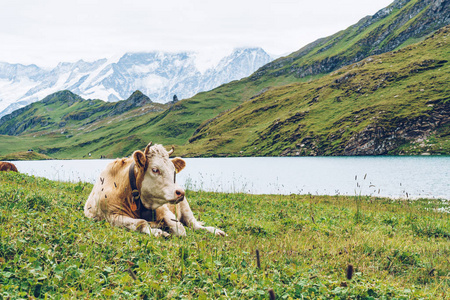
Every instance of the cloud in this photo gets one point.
(46, 32)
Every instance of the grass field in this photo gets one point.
(396, 249)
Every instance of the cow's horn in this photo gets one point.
(171, 150)
(147, 149)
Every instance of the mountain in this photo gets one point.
(64, 110)
(394, 103)
(158, 75)
(420, 20)
(386, 103)
(398, 25)
(402, 23)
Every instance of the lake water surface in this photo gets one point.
(396, 177)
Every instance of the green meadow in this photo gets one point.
(310, 247)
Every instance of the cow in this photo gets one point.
(140, 193)
(7, 166)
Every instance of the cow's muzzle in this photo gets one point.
(177, 200)
(180, 196)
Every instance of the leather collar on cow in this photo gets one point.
(143, 212)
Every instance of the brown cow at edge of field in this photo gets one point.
(140, 193)
(7, 166)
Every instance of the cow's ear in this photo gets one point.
(179, 164)
(139, 158)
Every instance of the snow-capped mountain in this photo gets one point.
(159, 75)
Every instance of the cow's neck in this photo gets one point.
(140, 209)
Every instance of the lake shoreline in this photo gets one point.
(11, 157)
(408, 177)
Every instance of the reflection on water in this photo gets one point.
(396, 177)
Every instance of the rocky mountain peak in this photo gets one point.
(138, 99)
(159, 75)
(65, 96)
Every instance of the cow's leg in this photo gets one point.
(186, 216)
(139, 225)
(164, 213)
(91, 208)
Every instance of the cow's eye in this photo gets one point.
(155, 170)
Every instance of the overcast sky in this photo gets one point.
(45, 32)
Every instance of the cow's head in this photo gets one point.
(156, 176)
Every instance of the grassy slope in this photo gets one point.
(401, 85)
(25, 155)
(119, 135)
(399, 249)
(64, 111)
(99, 134)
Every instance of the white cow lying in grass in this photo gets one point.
(140, 193)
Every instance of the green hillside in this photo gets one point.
(67, 110)
(64, 125)
(394, 103)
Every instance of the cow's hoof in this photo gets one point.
(220, 232)
(215, 231)
(178, 231)
(159, 232)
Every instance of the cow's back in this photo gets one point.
(6, 166)
(110, 190)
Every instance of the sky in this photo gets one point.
(47, 32)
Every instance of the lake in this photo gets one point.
(396, 177)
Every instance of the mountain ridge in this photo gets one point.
(405, 20)
(159, 75)
(64, 110)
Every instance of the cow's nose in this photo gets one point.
(179, 193)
